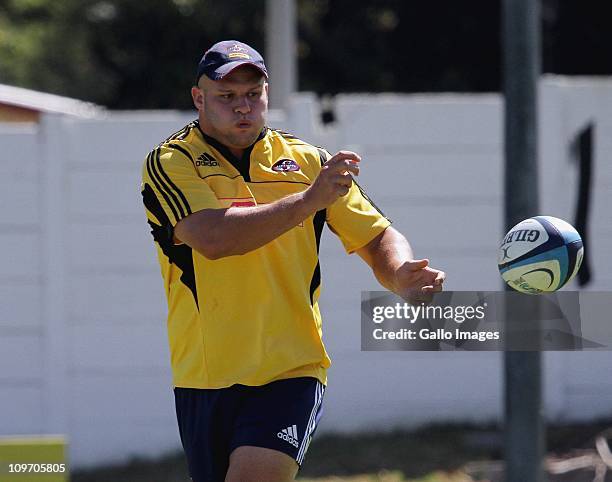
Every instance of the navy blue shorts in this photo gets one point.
(281, 415)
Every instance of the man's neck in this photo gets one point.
(236, 151)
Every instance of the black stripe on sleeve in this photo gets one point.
(190, 126)
(180, 255)
(368, 199)
(322, 155)
(176, 189)
(156, 167)
(181, 133)
(182, 149)
(285, 134)
(323, 158)
(318, 223)
(153, 177)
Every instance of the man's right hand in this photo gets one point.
(334, 180)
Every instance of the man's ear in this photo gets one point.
(198, 97)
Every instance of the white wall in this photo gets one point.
(83, 348)
(21, 326)
(578, 385)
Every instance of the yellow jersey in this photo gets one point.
(254, 318)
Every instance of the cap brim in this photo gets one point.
(231, 66)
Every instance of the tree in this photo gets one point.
(134, 54)
(124, 54)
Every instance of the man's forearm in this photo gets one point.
(385, 254)
(243, 229)
(392, 261)
(392, 256)
(216, 233)
(238, 230)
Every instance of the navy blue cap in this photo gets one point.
(223, 57)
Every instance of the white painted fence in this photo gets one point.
(83, 347)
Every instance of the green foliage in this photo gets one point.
(142, 54)
(120, 53)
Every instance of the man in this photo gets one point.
(236, 211)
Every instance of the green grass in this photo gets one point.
(395, 476)
(436, 453)
(414, 454)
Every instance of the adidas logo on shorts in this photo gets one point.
(290, 435)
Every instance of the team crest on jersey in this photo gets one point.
(285, 165)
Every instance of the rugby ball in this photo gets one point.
(540, 255)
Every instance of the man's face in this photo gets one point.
(233, 110)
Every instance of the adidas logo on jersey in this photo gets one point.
(290, 435)
(206, 160)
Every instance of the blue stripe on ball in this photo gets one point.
(555, 240)
(564, 246)
(572, 253)
(568, 236)
(559, 254)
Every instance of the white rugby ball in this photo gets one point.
(540, 255)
